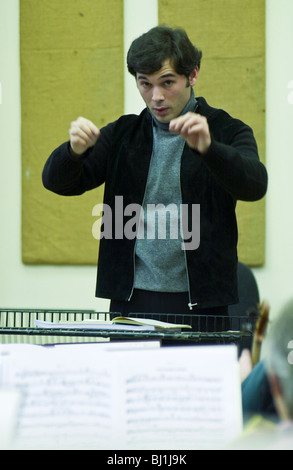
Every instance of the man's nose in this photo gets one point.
(158, 94)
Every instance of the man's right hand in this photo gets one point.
(83, 135)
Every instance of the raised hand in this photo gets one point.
(194, 129)
(83, 135)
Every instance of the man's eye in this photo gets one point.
(169, 82)
(145, 84)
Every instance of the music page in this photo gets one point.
(184, 398)
(89, 397)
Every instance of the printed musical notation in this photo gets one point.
(86, 397)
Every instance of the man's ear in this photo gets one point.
(193, 76)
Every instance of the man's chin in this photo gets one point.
(163, 119)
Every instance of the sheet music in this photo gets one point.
(190, 399)
(89, 397)
(66, 399)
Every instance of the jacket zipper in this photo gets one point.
(190, 304)
(133, 261)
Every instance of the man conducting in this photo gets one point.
(179, 153)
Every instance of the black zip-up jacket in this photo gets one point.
(229, 171)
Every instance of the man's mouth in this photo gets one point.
(161, 111)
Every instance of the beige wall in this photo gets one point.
(73, 287)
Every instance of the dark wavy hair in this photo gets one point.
(148, 52)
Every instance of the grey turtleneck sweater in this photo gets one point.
(160, 260)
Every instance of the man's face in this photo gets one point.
(165, 92)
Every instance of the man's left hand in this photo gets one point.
(194, 129)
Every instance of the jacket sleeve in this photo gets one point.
(234, 161)
(66, 175)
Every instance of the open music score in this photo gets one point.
(113, 397)
(117, 323)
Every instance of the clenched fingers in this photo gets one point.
(83, 135)
(194, 129)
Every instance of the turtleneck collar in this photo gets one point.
(190, 107)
